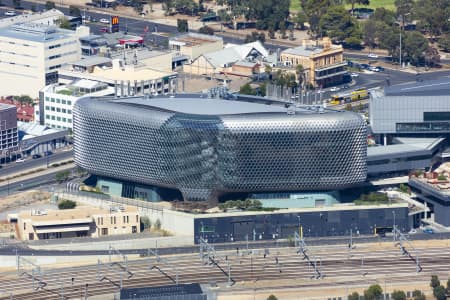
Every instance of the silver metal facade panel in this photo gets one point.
(387, 111)
(204, 156)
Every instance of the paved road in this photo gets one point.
(29, 163)
(26, 184)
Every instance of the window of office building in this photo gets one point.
(52, 108)
(64, 110)
(436, 116)
(69, 102)
(58, 109)
(69, 111)
(63, 101)
(58, 118)
(58, 101)
(53, 117)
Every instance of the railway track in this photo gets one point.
(361, 265)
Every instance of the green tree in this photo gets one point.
(49, 5)
(300, 19)
(432, 57)
(62, 176)
(444, 42)
(434, 283)
(384, 15)
(415, 46)
(16, 3)
(338, 24)
(158, 224)
(67, 204)
(432, 16)
(272, 297)
(206, 30)
(23, 99)
(74, 11)
(373, 293)
(246, 89)
(439, 293)
(64, 23)
(398, 295)
(268, 13)
(404, 7)
(300, 72)
(145, 223)
(314, 10)
(418, 295)
(182, 25)
(255, 36)
(33, 8)
(353, 296)
(448, 284)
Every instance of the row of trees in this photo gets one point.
(385, 28)
(375, 292)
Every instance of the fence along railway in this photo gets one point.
(344, 265)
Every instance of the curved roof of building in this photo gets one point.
(198, 104)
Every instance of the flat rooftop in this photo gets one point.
(34, 32)
(4, 106)
(194, 39)
(408, 147)
(439, 87)
(214, 107)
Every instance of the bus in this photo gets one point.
(355, 95)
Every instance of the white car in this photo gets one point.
(372, 55)
(334, 89)
(10, 13)
(354, 75)
(104, 21)
(20, 160)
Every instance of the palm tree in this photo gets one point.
(300, 71)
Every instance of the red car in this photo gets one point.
(104, 29)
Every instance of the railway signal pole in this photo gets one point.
(301, 246)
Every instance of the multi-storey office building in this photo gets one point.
(208, 147)
(416, 109)
(31, 54)
(9, 139)
(59, 100)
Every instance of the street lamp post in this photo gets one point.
(401, 28)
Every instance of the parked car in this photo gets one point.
(428, 230)
(372, 55)
(10, 13)
(104, 21)
(412, 231)
(354, 74)
(345, 87)
(364, 66)
(48, 153)
(35, 156)
(334, 89)
(20, 160)
(104, 29)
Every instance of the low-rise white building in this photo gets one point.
(133, 72)
(58, 100)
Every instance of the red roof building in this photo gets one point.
(25, 112)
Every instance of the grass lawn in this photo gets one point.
(388, 4)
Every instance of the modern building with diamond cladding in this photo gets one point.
(209, 147)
